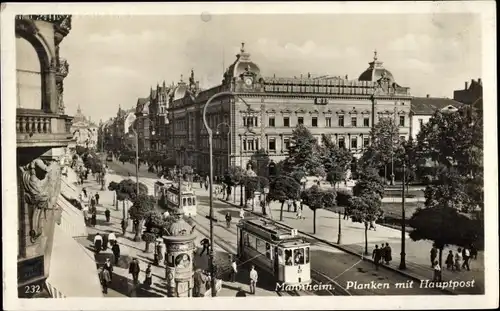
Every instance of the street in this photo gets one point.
(344, 269)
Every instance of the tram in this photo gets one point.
(167, 196)
(277, 250)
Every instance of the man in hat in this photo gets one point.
(134, 269)
(105, 279)
(116, 251)
(108, 266)
(97, 243)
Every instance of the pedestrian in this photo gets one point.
(134, 269)
(116, 252)
(97, 243)
(97, 198)
(458, 259)
(242, 213)
(84, 201)
(253, 280)
(437, 272)
(449, 261)
(158, 252)
(234, 270)
(108, 266)
(376, 256)
(299, 213)
(124, 226)
(473, 252)
(92, 202)
(206, 244)
(228, 219)
(105, 279)
(240, 292)
(372, 226)
(107, 213)
(289, 205)
(201, 184)
(433, 254)
(466, 256)
(105, 242)
(387, 254)
(93, 220)
(148, 280)
(199, 279)
(206, 185)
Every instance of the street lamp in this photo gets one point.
(266, 192)
(137, 152)
(228, 141)
(209, 131)
(402, 264)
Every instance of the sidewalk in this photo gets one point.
(121, 284)
(417, 252)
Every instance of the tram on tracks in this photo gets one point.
(275, 249)
(167, 197)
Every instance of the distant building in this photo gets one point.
(85, 132)
(471, 95)
(267, 109)
(422, 109)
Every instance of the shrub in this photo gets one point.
(343, 196)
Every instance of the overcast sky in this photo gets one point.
(115, 60)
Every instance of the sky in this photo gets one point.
(114, 60)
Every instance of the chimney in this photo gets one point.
(428, 96)
(479, 81)
(466, 85)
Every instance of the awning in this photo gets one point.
(73, 271)
(72, 219)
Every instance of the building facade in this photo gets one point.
(423, 108)
(471, 95)
(85, 132)
(265, 111)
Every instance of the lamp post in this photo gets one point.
(266, 192)
(402, 264)
(339, 236)
(228, 141)
(209, 131)
(137, 152)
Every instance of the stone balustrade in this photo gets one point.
(38, 128)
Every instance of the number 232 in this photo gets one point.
(32, 289)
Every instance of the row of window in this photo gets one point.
(314, 121)
(292, 257)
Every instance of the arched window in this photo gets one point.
(28, 74)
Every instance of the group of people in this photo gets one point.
(458, 260)
(382, 255)
(102, 242)
(89, 204)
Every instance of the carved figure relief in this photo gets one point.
(41, 185)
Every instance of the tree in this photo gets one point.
(281, 189)
(336, 161)
(303, 153)
(142, 206)
(316, 198)
(260, 161)
(384, 143)
(365, 205)
(365, 209)
(126, 190)
(444, 226)
(234, 177)
(253, 184)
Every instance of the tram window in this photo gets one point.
(260, 246)
(252, 242)
(307, 255)
(194, 201)
(246, 239)
(189, 201)
(288, 257)
(280, 256)
(184, 202)
(298, 256)
(268, 250)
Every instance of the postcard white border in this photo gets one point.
(9, 201)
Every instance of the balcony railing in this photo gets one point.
(36, 128)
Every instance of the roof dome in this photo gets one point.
(180, 90)
(180, 227)
(376, 71)
(242, 64)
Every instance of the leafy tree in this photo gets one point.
(336, 161)
(283, 188)
(260, 161)
(142, 206)
(123, 158)
(126, 190)
(365, 205)
(365, 209)
(384, 144)
(253, 184)
(235, 177)
(445, 226)
(316, 198)
(303, 153)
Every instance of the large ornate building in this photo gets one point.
(45, 228)
(265, 111)
(85, 132)
(472, 94)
